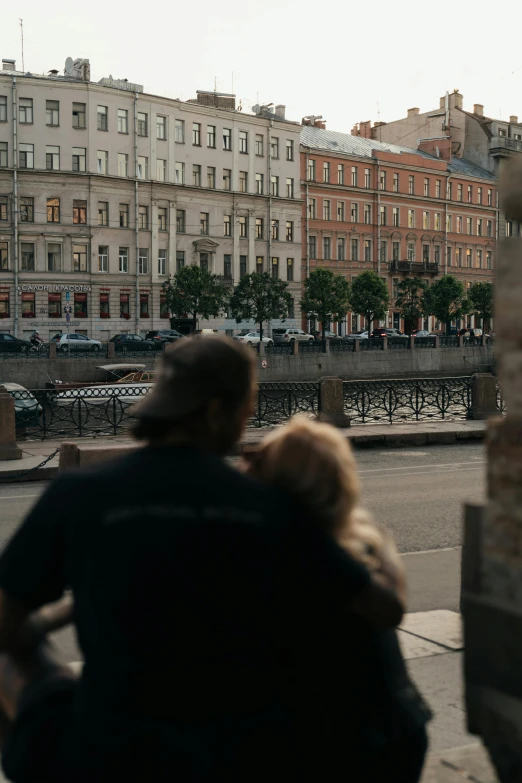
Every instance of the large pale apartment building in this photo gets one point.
(105, 192)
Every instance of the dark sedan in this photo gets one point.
(11, 344)
(164, 335)
(124, 343)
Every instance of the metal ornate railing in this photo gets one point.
(66, 352)
(372, 344)
(23, 352)
(317, 346)
(279, 349)
(449, 341)
(398, 343)
(407, 400)
(278, 402)
(342, 346)
(425, 342)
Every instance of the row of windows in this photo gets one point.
(79, 120)
(81, 306)
(428, 189)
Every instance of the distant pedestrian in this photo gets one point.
(374, 718)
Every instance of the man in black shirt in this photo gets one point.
(186, 577)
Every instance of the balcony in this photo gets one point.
(227, 281)
(502, 146)
(413, 268)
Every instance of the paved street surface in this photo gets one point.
(418, 493)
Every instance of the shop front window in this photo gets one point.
(104, 306)
(124, 306)
(80, 305)
(144, 306)
(28, 306)
(164, 310)
(55, 305)
(4, 304)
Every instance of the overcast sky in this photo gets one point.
(346, 61)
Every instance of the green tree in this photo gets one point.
(260, 297)
(445, 299)
(410, 301)
(369, 297)
(325, 296)
(480, 297)
(194, 291)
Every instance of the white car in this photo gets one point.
(77, 342)
(363, 335)
(252, 338)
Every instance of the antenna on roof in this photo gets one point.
(22, 36)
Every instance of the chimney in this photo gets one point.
(413, 112)
(8, 65)
(513, 119)
(478, 109)
(280, 111)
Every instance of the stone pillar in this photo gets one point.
(8, 447)
(295, 348)
(111, 351)
(356, 345)
(437, 341)
(461, 340)
(483, 396)
(52, 351)
(384, 343)
(331, 402)
(326, 345)
(411, 342)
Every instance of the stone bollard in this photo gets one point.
(356, 345)
(331, 402)
(384, 343)
(483, 396)
(461, 340)
(326, 345)
(295, 348)
(437, 341)
(111, 351)
(8, 447)
(411, 342)
(52, 351)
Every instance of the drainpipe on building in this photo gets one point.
(136, 212)
(16, 207)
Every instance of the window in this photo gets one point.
(489, 259)
(211, 177)
(4, 266)
(274, 185)
(259, 228)
(242, 266)
(243, 227)
(104, 305)
(180, 221)
(289, 187)
(290, 269)
(162, 263)
(26, 156)
(243, 182)
(4, 215)
(52, 158)
(459, 224)
(103, 161)
(53, 210)
(259, 184)
(489, 228)
(143, 217)
(340, 174)
(260, 263)
(54, 256)
(227, 179)
(54, 302)
(78, 115)
(179, 131)
(123, 164)
(448, 256)
(459, 192)
(123, 121)
(396, 251)
(437, 188)
(4, 151)
(479, 195)
(143, 124)
(490, 197)
(411, 218)
(367, 178)
(395, 216)
(52, 112)
(289, 149)
(25, 108)
(326, 172)
(437, 222)
(509, 228)
(382, 216)
(368, 214)
(103, 213)
(395, 183)
(102, 118)
(289, 230)
(355, 249)
(469, 257)
(469, 225)
(180, 259)
(78, 158)
(259, 144)
(327, 248)
(326, 209)
(354, 213)
(275, 229)
(426, 254)
(161, 127)
(124, 215)
(382, 251)
(79, 212)
(312, 247)
(27, 250)
(28, 305)
(227, 266)
(411, 252)
(478, 259)
(354, 176)
(143, 261)
(312, 208)
(479, 227)
(196, 175)
(161, 170)
(26, 209)
(470, 194)
(162, 218)
(426, 186)
(367, 249)
(411, 185)
(3, 108)
(425, 220)
(437, 254)
(448, 223)
(311, 170)
(502, 132)
(123, 255)
(196, 134)
(382, 180)
(274, 147)
(203, 222)
(458, 256)
(341, 249)
(179, 173)
(291, 308)
(243, 142)
(143, 167)
(103, 258)
(275, 267)
(124, 301)
(449, 190)
(227, 225)
(227, 139)
(340, 211)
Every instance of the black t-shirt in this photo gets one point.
(188, 580)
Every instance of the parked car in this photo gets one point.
(423, 333)
(9, 343)
(133, 342)
(291, 336)
(27, 407)
(327, 333)
(252, 338)
(164, 335)
(77, 342)
(56, 337)
(382, 332)
(362, 334)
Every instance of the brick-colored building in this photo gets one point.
(398, 211)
